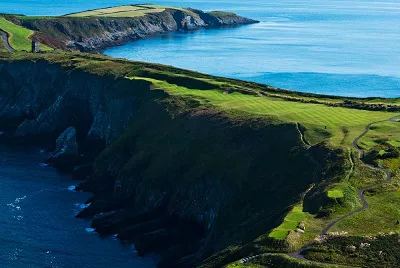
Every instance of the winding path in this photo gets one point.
(361, 192)
(4, 37)
(388, 176)
(298, 254)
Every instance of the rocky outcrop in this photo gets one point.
(88, 34)
(184, 185)
(66, 153)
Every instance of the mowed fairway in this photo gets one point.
(290, 223)
(121, 11)
(19, 36)
(343, 125)
(379, 134)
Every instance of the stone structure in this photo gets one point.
(35, 46)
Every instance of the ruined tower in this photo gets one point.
(35, 46)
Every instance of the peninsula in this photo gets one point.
(97, 29)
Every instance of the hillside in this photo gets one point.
(206, 170)
(97, 29)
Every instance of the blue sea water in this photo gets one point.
(37, 224)
(337, 47)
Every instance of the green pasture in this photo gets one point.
(290, 223)
(381, 217)
(382, 135)
(18, 36)
(338, 125)
(121, 11)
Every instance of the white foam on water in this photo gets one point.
(72, 188)
(43, 164)
(82, 206)
(19, 199)
(14, 205)
(90, 230)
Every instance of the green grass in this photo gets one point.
(19, 36)
(313, 116)
(232, 99)
(290, 223)
(381, 135)
(380, 217)
(336, 193)
(122, 11)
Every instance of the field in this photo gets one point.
(382, 136)
(18, 36)
(290, 223)
(323, 123)
(121, 11)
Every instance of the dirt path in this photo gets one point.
(4, 37)
(361, 192)
(302, 136)
(388, 177)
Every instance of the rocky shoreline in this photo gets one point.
(92, 34)
(183, 185)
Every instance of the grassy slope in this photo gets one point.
(238, 99)
(134, 11)
(313, 116)
(120, 11)
(19, 37)
(383, 213)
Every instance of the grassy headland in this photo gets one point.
(327, 124)
(128, 11)
(100, 28)
(237, 158)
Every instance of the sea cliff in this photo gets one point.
(96, 33)
(174, 176)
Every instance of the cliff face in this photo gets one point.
(87, 34)
(185, 185)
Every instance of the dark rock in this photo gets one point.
(82, 172)
(66, 154)
(98, 206)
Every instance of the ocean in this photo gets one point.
(335, 47)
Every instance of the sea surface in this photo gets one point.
(37, 224)
(336, 47)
